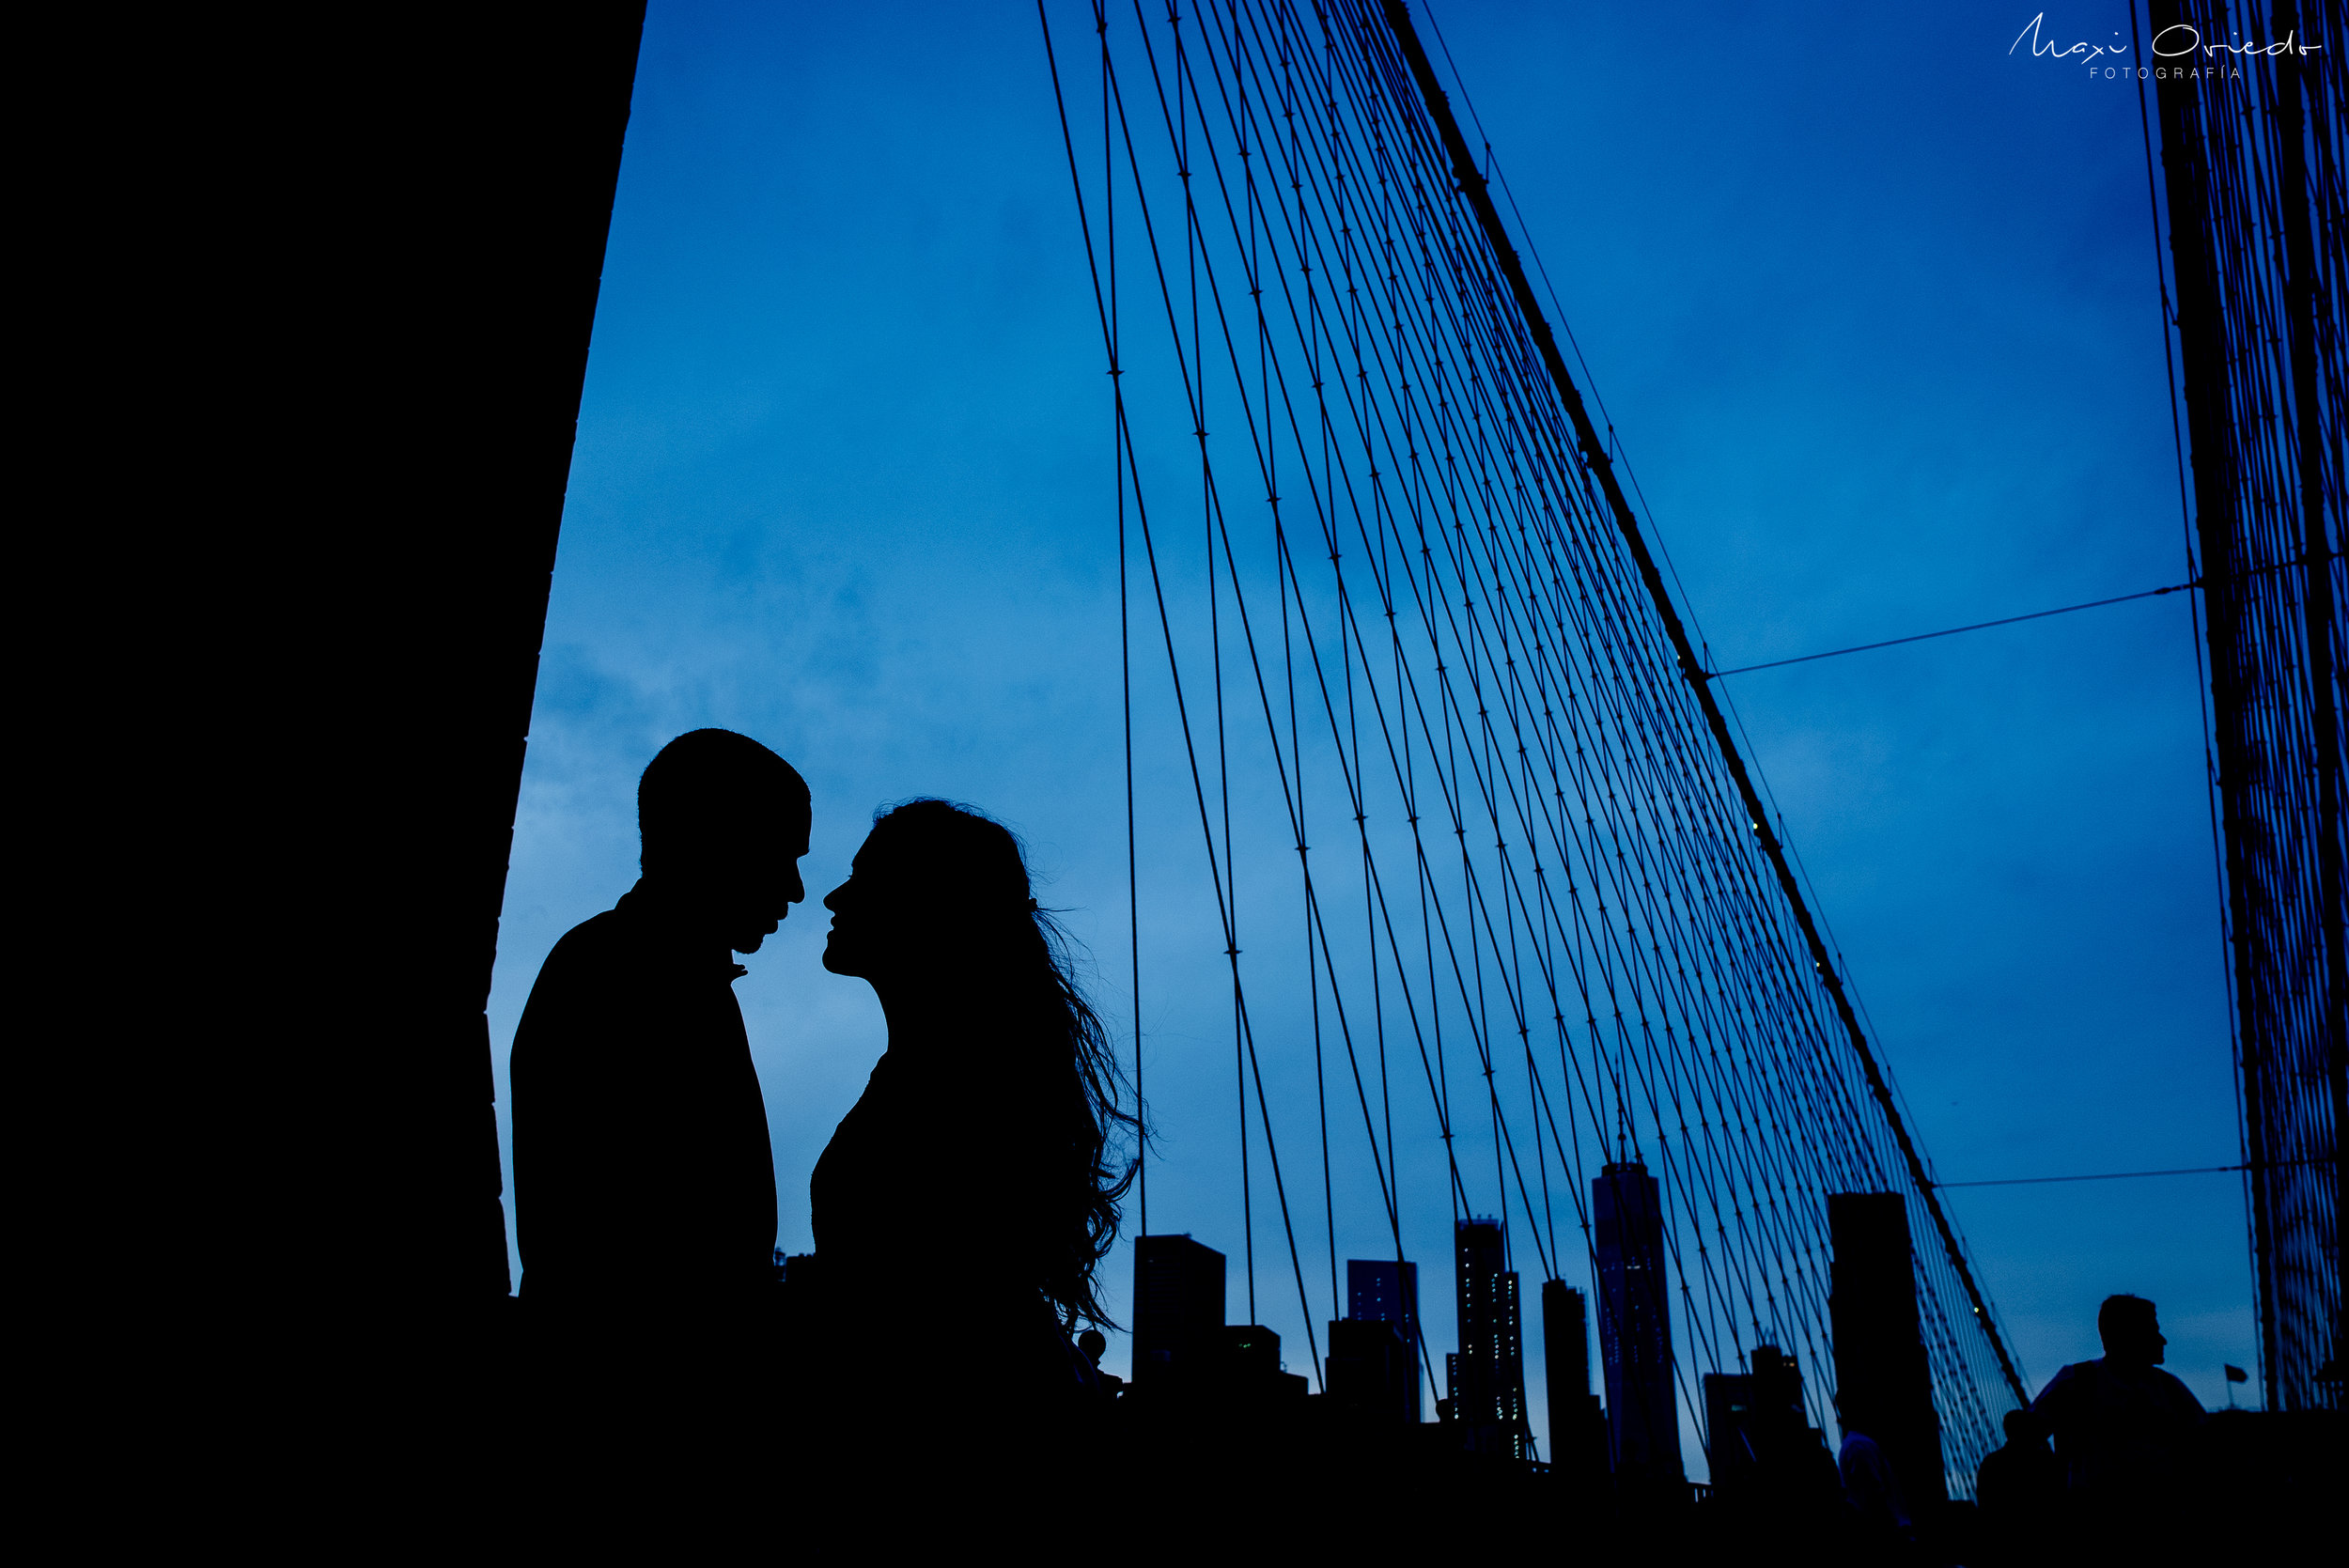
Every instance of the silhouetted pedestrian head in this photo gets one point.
(2025, 1429)
(724, 822)
(938, 915)
(2131, 1332)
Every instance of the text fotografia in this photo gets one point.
(2179, 53)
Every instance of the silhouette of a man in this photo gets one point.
(2019, 1488)
(643, 1176)
(2123, 1426)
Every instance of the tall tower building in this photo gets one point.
(1386, 1291)
(1565, 1342)
(1577, 1429)
(1635, 1324)
(1883, 1381)
(1488, 1374)
(1178, 1308)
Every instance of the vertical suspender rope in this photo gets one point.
(1594, 454)
(1124, 661)
(1223, 753)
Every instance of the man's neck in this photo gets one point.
(679, 914)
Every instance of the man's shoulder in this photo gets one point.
(588, 959)
(590, 939)
(2068, 1375)
(2174, 1390)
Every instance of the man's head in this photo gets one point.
(724, 822)
(2023, 1428)
(2130, 1331)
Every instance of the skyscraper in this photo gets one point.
(1565, 1341)
(1883, 1381)
(1487, 1374)
(1577, 1429)
(1386, 1291)
(1178, 1308)
(1635, 1324)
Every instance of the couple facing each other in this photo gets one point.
(973, 1181)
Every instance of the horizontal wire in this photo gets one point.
(2010, 620)
(2101, 1176)
(1928, 636)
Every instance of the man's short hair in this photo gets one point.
(2122, 1314)
(707, 785)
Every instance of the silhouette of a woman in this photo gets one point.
(963, 1206)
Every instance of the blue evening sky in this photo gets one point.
(1872, 304)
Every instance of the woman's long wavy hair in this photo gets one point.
(1021, 966)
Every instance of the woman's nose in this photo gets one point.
(832, 899)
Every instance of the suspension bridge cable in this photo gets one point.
(1470, 676)
(1494, 171)
(1473, 186)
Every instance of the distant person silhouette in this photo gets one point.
(2123, 1428)
(642, 1177)
(964, 1203)
(1092, 1344)
(2018, 1489)
(1870, 1489)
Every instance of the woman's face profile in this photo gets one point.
(869, 915)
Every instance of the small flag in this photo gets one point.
(2236, 1374)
